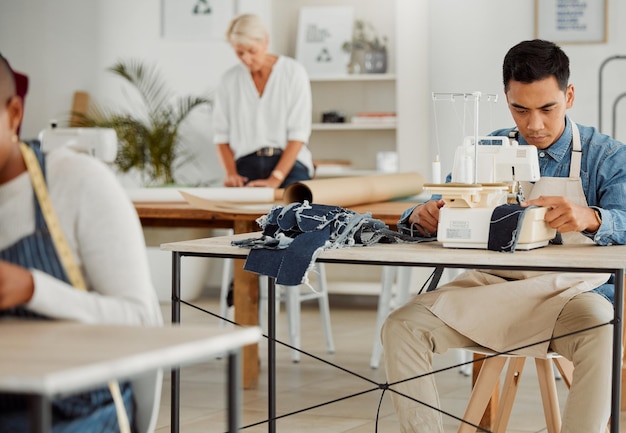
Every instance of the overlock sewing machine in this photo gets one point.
(100, 143)
(487, 173)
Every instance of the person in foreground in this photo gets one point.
(585, 201)
(262, 112)
(105, 237)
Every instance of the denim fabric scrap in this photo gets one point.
(294, 235)
(505, 227)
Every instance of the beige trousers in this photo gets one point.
(411, 336)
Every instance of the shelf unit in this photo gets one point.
(354, 77)
(358, 143)
(348, 126)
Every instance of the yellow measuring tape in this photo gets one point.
(66, 256)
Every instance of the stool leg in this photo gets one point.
(509, 390)
(566, 368)
(227, 277)
(404, 285)
(483, 388)
(292, 305)
(325, 307)
(384, 306)
(263, 303)
(545, 374)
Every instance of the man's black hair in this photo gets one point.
(535, 60)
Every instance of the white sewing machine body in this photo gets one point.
(98, 142)
(469, 228)
(464, 220)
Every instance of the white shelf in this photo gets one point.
(352, 126)
(354, 77)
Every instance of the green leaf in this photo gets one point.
(148, 137)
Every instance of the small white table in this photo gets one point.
(44, 359)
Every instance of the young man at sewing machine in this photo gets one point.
(583, 185)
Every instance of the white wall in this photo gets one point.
(66, 45)
(469, 38)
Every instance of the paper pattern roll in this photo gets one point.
(351, 191)
(221, 194)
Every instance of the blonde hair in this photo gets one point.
(246, 29)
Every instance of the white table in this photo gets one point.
(561, 258)
(44, 359)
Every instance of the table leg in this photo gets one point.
(623, 404)
(271, 353)
(40, 414)
(234, 391)
(246, 302)
(617, 352)
(175, 373)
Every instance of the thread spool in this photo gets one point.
(436, 170)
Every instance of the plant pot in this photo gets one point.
(357, 61)
(195, 271)
(375, 61)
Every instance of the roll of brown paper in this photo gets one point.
(350, 191)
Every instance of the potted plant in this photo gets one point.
(149, 142)
(368, 51)
(149, 139)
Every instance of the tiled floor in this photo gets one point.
(311, 382)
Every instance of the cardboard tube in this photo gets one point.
(350, 191)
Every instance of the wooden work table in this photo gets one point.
(179, 214)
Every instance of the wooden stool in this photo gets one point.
(488, 380)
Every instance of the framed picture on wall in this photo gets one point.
(322, 30)
(571, 21)
(196, 20)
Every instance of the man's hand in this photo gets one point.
(565, 216)
(16, 285)
(425, 217)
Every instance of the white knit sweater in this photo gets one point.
(102, 228)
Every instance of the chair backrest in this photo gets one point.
(147, 391)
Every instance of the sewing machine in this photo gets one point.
(98, 142)
(485, 176)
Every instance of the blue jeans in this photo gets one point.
(260, 167)
(88, 412)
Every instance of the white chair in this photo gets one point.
(487, 381)
(292, 296)
(147, 390)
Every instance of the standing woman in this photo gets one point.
(262, 112)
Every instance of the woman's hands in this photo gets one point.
(16, 285)
(235, 180)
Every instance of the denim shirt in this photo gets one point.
(602, 172)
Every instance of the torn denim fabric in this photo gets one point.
(505, 227)
(294, 235)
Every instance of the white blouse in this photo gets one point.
(248, 122)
